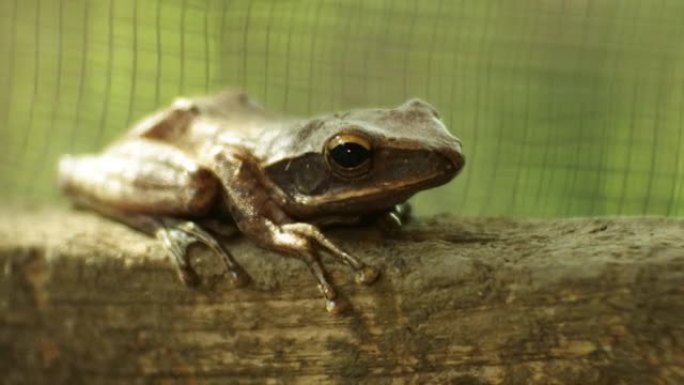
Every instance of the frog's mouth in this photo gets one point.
(428, 170)
(392, 193)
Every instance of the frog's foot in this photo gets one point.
(306, 242)
(177, 237)
(334, 303)
(365, 274)
(392, 221)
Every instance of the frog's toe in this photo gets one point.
(239, 278)
(337, 306)
(367, 275)
(390, 223)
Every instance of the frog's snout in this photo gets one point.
(454, 159)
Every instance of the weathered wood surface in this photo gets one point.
(461, 301)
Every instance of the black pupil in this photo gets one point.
(349, 155)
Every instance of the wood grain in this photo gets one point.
(461, 301)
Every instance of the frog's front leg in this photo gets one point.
(258, 215)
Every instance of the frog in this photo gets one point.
(223, 159)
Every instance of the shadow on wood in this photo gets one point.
(461, 301)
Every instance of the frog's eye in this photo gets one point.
(349, 155)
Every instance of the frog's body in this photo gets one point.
(224, 157)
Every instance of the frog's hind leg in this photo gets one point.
(140, 176)
(148, 185)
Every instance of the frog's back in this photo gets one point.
(194, 123)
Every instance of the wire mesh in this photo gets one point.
(565, 108)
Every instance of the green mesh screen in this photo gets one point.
(564, 107)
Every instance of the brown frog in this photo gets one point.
(277, 179)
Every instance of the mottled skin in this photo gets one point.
(224, 158)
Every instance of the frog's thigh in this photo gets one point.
(142, 177)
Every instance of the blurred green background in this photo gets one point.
(565, 108)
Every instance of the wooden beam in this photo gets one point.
(461, 301)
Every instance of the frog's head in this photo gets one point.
(365, 160)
